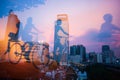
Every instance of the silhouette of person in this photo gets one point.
(57, 45)
(27, 30)
(107, 28)
(27, 36)
(13, 25)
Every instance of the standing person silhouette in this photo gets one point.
(27, 36)
(57, 45)
(27, 30)
(13, 25)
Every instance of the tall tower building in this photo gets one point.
(105, 48)
(107, 54)
(78, 53)
(73, 50)
(61, 38)
(99, 58)
(93, 57)
(78, 50)
(82, 53)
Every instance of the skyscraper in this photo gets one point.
(61, 37)
(93, 57)
(105, 48)
(78, 52)
(83, 53)
(73, 50)
(99, 58)
(107, 54)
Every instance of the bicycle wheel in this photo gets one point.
(36, 57)
(15, 53)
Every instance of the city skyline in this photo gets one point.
(59, 39)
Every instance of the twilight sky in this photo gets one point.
(85, 20)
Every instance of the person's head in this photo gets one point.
(29, 20)
(11, 12)
(59, 22)
(108, 18)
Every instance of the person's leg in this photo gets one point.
(28, 46)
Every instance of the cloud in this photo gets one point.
(93, 41)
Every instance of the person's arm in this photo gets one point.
(102, 29)
(116, 28)
(35, 28)
(63, 31)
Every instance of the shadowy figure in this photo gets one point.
(27, 33)
(27, 36)
(107, 28)
(57, 45)
(13, 25)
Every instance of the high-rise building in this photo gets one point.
(99, 58)
(93, 57)
(73, 50)
(83, 53)
(61, 38)
(105, 48)
(78, 51)
(107, 54)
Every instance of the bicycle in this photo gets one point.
(16, 51)
(66, 45)
(65, 49)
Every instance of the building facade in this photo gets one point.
(77, 53)
(61, 38)
(107, 54)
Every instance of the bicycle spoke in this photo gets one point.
(36, 57)
(15, 53)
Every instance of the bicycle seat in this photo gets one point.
(13, 37)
